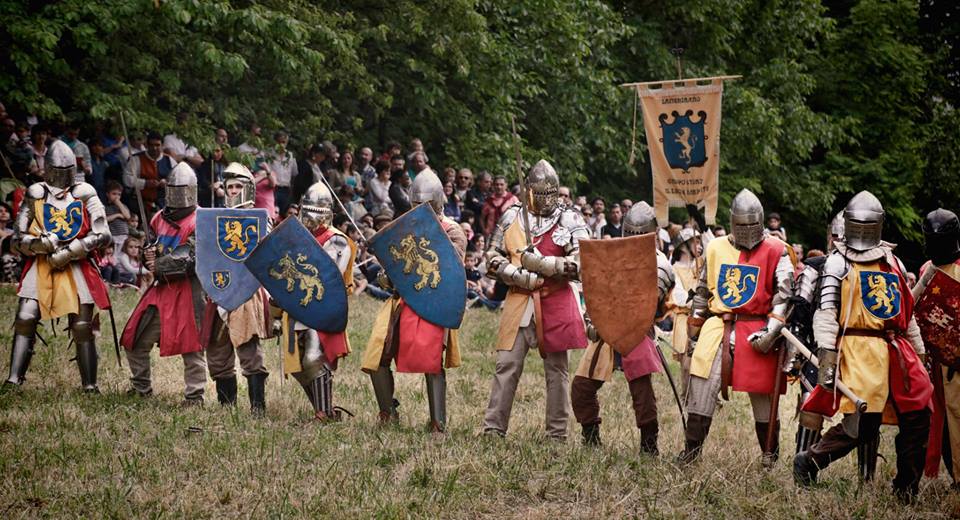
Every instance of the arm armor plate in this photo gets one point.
(831, 281)
(176, 264)
(783, 279)
(665, 282)
(701, 297)
(807, 284)
(97, 237)
(339, 251)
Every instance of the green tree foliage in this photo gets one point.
(837, 95)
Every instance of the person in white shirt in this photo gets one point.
(284, 166)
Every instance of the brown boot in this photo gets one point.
(698, 426)
(768, 459)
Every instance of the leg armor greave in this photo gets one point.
(382, 381)
(312, 359)
(867, 458)
(437, 400)
(24, 336)
(81, 327)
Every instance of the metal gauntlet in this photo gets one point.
(549, 266)
(519, 277)
(175, 265)
(827, 375)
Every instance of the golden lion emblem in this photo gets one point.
(300, 271)
(417, 255)
(882, 294)
(63, 220)
(735, 284)
(237, 237)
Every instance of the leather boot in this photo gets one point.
(768, 459)
(87, 363)
(257, 391)
(591, 434)
(382, 381)
(805, 469)
(648, 438)
(911, 446)
(227, 390)
(698, 426)
(437, 401)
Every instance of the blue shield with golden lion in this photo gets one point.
(880, 293)
(301, 277)
(737, 284)
(423, 266)
(225, 238)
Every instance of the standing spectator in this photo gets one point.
(118, 215)
(366, 168)
(265, 183)
(253, 145)
(221, 138)
(210, 179)
(309, 171)
(332, 158)
(178, 149)
(563, 193)
(613, 229)
(496, 204)
(396, 163)
(283, 166)
(449, 175)
(393, 148)
(451, 207)
(598, 220)
(98, 169)
(774, 228)
(72, 139)
(378, 194)
(354, 207)
(477, 196)
(400, 191)
(351, 177)
(136, 145)
(719, 231)
(148, 171)
(625, 205)
(580, 203)
(38, 143)
(464, 181)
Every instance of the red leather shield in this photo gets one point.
(936, 314)
(619, 278)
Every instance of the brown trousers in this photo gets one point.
(586, 406)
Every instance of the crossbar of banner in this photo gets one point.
(675, 81)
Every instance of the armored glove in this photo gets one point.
(694, 324)
(827, 375)
(591, 330)
(45, 244)
(548, 266)
(763, 340)
(384, 281)
(522, 278)
(60, 258)
(150, 258)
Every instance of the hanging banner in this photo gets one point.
(682, 122)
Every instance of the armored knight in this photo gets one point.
(866, 313)
(687, 264)
(400, 335)
(941, 229)
(316, 354)
(739, 307)
(170, 311)
(59, 228)
(541, 308)
(600, 361)
(236, 334)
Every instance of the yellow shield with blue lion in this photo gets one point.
(64, 222)
(880, 293)
(225, 238)
(737, 284)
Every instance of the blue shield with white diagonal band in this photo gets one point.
(423, 266)
(225, 238)
(301, 277)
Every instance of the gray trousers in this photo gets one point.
(702, 395)
(507, 376)
(220, 357)
(194, 364)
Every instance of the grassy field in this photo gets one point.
(67, 454)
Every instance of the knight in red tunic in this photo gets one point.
(59, 228)
(170, 311)
(739, 308)
(541, 309)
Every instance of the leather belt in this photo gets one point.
(726, 357)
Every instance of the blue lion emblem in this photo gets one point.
(64, 223)
(737, 284)
(684, 140)
(880, 293)
(237, 236)
(220, 279)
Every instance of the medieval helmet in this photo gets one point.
(746, 219)
(543, 187)
(639, 220)
(941, 229)
(60, 166)
(238, 175)
(316, 207)
(836, 226)
(181, 191)
(863, 222)
(426, 187)
(683, 240)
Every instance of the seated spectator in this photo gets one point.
(293, 210)
(118, 215)
(478, 288)
(128, 265)
(6, 220)
(354, 207)
(451, 208)
(469, 217)
(348, 173)
(400, 191)
(378, 190)
(496, 204)
(381, 220)
(108, 266)
(563, 193)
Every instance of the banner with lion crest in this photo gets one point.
(682, 122)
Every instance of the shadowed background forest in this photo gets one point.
(836, 96)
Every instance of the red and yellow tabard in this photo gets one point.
(741, 283)
(876, 298)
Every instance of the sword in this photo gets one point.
(523, 186)
(116, 342)
(136, 189)
(673, 385)
(342, 207)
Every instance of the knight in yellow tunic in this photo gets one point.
(868, 338)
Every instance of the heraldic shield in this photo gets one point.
(225, 238)
(936, 314)
(301, 277)
(684, 140)
(619, 278)
(423, 266)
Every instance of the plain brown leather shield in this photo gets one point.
(619, 278)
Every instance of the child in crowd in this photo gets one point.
(128, 266)
(118, 215)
